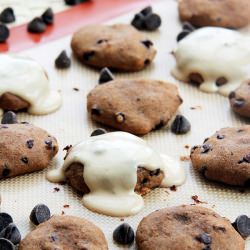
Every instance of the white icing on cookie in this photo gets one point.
(26, 79)
(213, 53)
(110, 171)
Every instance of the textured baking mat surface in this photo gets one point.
(71, 124)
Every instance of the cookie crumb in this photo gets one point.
(56, 189)
(185, 158)
(187, 146)
(173, 188)
(196, 107)
(66, 206)
(75, 89)
(195, 198)
(62, 213)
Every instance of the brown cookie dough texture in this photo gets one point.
(119, 47)
(184, 228)
(12, 102)
(146, 180)
(135, 106)
(222, 13)
(65, 233)
(240, 100)
(24, 148)
(225, 156)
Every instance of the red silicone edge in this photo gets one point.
(68, 21)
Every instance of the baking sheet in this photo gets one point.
(71, 124)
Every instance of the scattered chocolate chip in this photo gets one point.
(40, 213)
(204, 238)
(98, 131)
(11, 233)
(138, 21)
(5, 220)
(124, 234)
(205, 148)
(48, 144)
(220, 137)
(87, 55)
(30, 143)
(180, 125)
(9, 118)
(4, 33)
(146, 11)
(105, 76)
(7, 15)
(36, 26)
(232, 95)
(62, 61)
(120, 117)
(75, 2)
(188, 26)
(221, 81)
(25, 160)
(147, 43)
(242, 225)
(182, 35)
(152, 22)
(173, 188)
(6, 172)
(56, 189)
(6, 244)
(238, 103)
(76, 89)
(48, 16)
(96, 111)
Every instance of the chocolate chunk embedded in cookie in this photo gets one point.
(24, 149)
(240, 100)
(135, 106)
(65, 232)
(225, 156)
(118, 47)
(223, 13)
(187, 227)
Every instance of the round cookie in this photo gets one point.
(119, 47)
(240, 100)
(135, 106)
(65, 232)
(225, 156)
(223, 13)
(24, 149)
(187, 227)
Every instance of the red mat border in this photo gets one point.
(66, 22)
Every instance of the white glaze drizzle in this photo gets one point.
(213, 53)
(26, 79)
(110, 171)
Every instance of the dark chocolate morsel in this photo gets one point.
(204, 238)
(48, 16)
(62, 61)
(98, 131)
(180, 125)
(30, 144)
(182, 35)
(39, 214)
(146, 11)
(152, 22)
(147, 43)
(25, 160)
(124, 234)
(205, 148)
(6, 244)
(188, 26)
(96, 111)
(7, 15)
(138, 21)
(242, 225)
(5, 220)
(75, 2)
(4, 33)
(105, 76)
(9, 118)
(36, 25)
(11, 233)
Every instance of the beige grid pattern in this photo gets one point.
(71, 124)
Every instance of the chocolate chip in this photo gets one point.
(5, 220)
(11, 233)
(105, 76)
(146, 11)
(30, 143)
(152, 22)
(147, 43)
(87, 55)
(62, 61)
(96, 111)
(155, 172)
(6, 245)
(238, 103)
(48, 144)
(102, 41)
(7, 15)
(9, 118)
(75, 2)
(221, 81)
(146, 62)
(36, 26)
(4, 33)
(180, 125)
(204, 238)
(205, 148)
(246, 158)
(39, 214)
(48, 16)
(182, 35)
(188, 26)
(220, 137)
(195, 79)
(138, 21)
(98, 131)
(242, 225)
(120, 117)
(124, 234)
(25, 160)
(159, 125)
(6, 172)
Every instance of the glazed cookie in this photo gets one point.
(24, 149)
(135, 106)
(119, 47)
(240, 99)
(65, 232)
(187, 227)
(223, 13)
(225, 156)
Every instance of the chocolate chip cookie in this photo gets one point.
(223, 13)
(65, 232)
(135, 106)
(225, 156)
(119, 47)
(187, 227)
(24, 148)
(240, 100)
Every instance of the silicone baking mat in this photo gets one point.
(71, 124)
